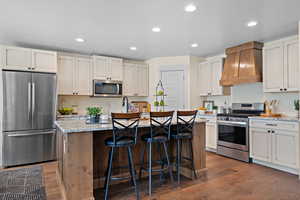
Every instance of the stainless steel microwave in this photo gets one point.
(107, 88)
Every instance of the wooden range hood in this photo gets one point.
(243, 64)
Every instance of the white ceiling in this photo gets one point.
(110, 27)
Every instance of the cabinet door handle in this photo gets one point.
(269, 131)
(285, 89)
(273, 131)
(271, 124)
(281, 89)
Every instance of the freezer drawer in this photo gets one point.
(22, 147)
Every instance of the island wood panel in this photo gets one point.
(76, 165)
(83, 159)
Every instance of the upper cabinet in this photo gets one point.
(106, 68)
(136, 80)
(74, 75)
(281, 65)
(209, 75)
(16, 58)
(44, 61)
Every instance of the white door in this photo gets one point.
(115, 69)
(260, 144)
(83, 78)
(273, 68)
(173, 83)
(17, 58)
(291, 55)
(216, 73)
(204, 79)
(44, 61)
(284, 148)
(66, 75)
(100, 68)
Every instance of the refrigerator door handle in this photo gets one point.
(33, 98)
(29, 100)
(30, 134)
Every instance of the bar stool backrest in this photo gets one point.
(185, 121)
(125, 124)
(160, 123)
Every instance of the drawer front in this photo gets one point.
(275, 125)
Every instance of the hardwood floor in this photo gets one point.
(225, 179)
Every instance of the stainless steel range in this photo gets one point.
(233, 130)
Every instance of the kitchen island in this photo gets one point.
(82, 155)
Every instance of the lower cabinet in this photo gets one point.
(275, 144)
(211, 133)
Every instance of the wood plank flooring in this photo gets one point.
(225, 179)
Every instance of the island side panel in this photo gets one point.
(198, 150)
(77, 165)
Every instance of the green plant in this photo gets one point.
(94, 111)
(160, 93)
(161, 103)
(156, 103)
(296, 104)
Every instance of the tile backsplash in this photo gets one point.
(252, 93)
(82, 102)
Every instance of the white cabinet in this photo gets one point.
(1, 56)
(83, 80)
(16, 58)
(275, 143)
(260, 144)
(74, 75)
(210, 132)
(65, 75)
(281, 65)
(106, 68)
(209, 76)
(136, 80)
(44, 61)
(284, 150)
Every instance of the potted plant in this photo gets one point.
(296, 106)
(94, 113)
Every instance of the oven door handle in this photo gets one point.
(231, 123)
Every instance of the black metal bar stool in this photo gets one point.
(185, 123)
(125, 127)
(160, 133)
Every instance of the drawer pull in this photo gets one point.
(271, 124)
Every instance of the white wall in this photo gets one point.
(1, 116)
(249, 93)
(189, 63)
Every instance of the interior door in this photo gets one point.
(173, 83)
(43, 100)
(17, 101)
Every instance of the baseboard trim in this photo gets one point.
(278, 167)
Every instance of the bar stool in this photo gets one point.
(160, 133)
(125, 127)
(184, 131)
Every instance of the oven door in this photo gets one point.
(107, 88)
(233, 135)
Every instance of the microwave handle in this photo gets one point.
(118, 88)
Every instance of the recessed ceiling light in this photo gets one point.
(156, 29)
(79, 40)
(133, 48)
(194, 45)
(190, 8)
(252, 23)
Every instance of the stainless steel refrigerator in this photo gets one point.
(28, 117)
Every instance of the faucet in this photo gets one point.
(125, 103)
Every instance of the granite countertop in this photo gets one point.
(80, 125)
(283, 118)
